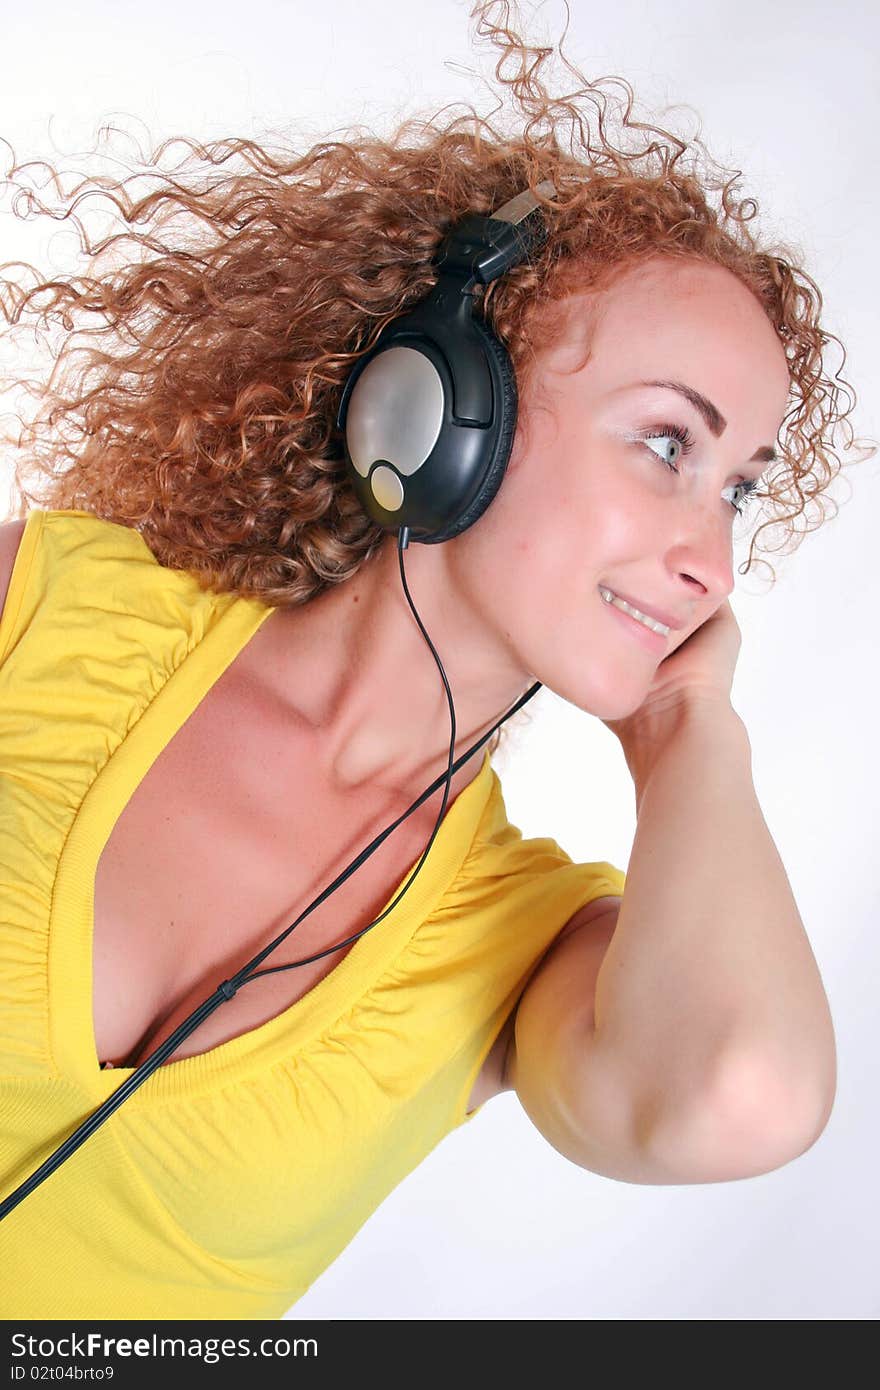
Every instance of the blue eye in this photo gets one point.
(682, 441)
(746, 487)
(683, 438)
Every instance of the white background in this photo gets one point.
(496, 1224)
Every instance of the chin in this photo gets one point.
(616, 709)
(608, 699)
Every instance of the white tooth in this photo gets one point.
(611, 597)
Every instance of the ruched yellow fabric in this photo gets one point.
(232, 1179)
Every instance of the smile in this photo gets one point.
(612, 598)
(645, 631)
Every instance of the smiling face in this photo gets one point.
(590, 501)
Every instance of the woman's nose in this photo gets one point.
(703, 554)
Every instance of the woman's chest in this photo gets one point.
(227, 839)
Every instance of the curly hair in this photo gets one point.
(202, 412)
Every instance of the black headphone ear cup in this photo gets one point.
(506, 430)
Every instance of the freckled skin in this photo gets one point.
(515, 597)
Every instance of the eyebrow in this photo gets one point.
(715, 421)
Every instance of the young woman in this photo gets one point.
(215, 695)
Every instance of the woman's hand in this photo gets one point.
(699, 671)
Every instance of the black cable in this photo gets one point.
(230, 987)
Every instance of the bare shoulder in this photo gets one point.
(11, 533)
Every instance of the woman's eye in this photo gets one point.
(671, 451)
(746, 488)
(677, 442)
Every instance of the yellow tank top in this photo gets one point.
(230, 1180)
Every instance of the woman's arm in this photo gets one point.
(11, 533)
(706, 1050)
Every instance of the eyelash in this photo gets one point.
(687, 441)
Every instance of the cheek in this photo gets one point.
(558, 526)
(596, 538)
(606, 507)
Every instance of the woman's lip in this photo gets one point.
(654, 641)
(667, 619)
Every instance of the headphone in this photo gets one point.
(429, 412)
(428, 416)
